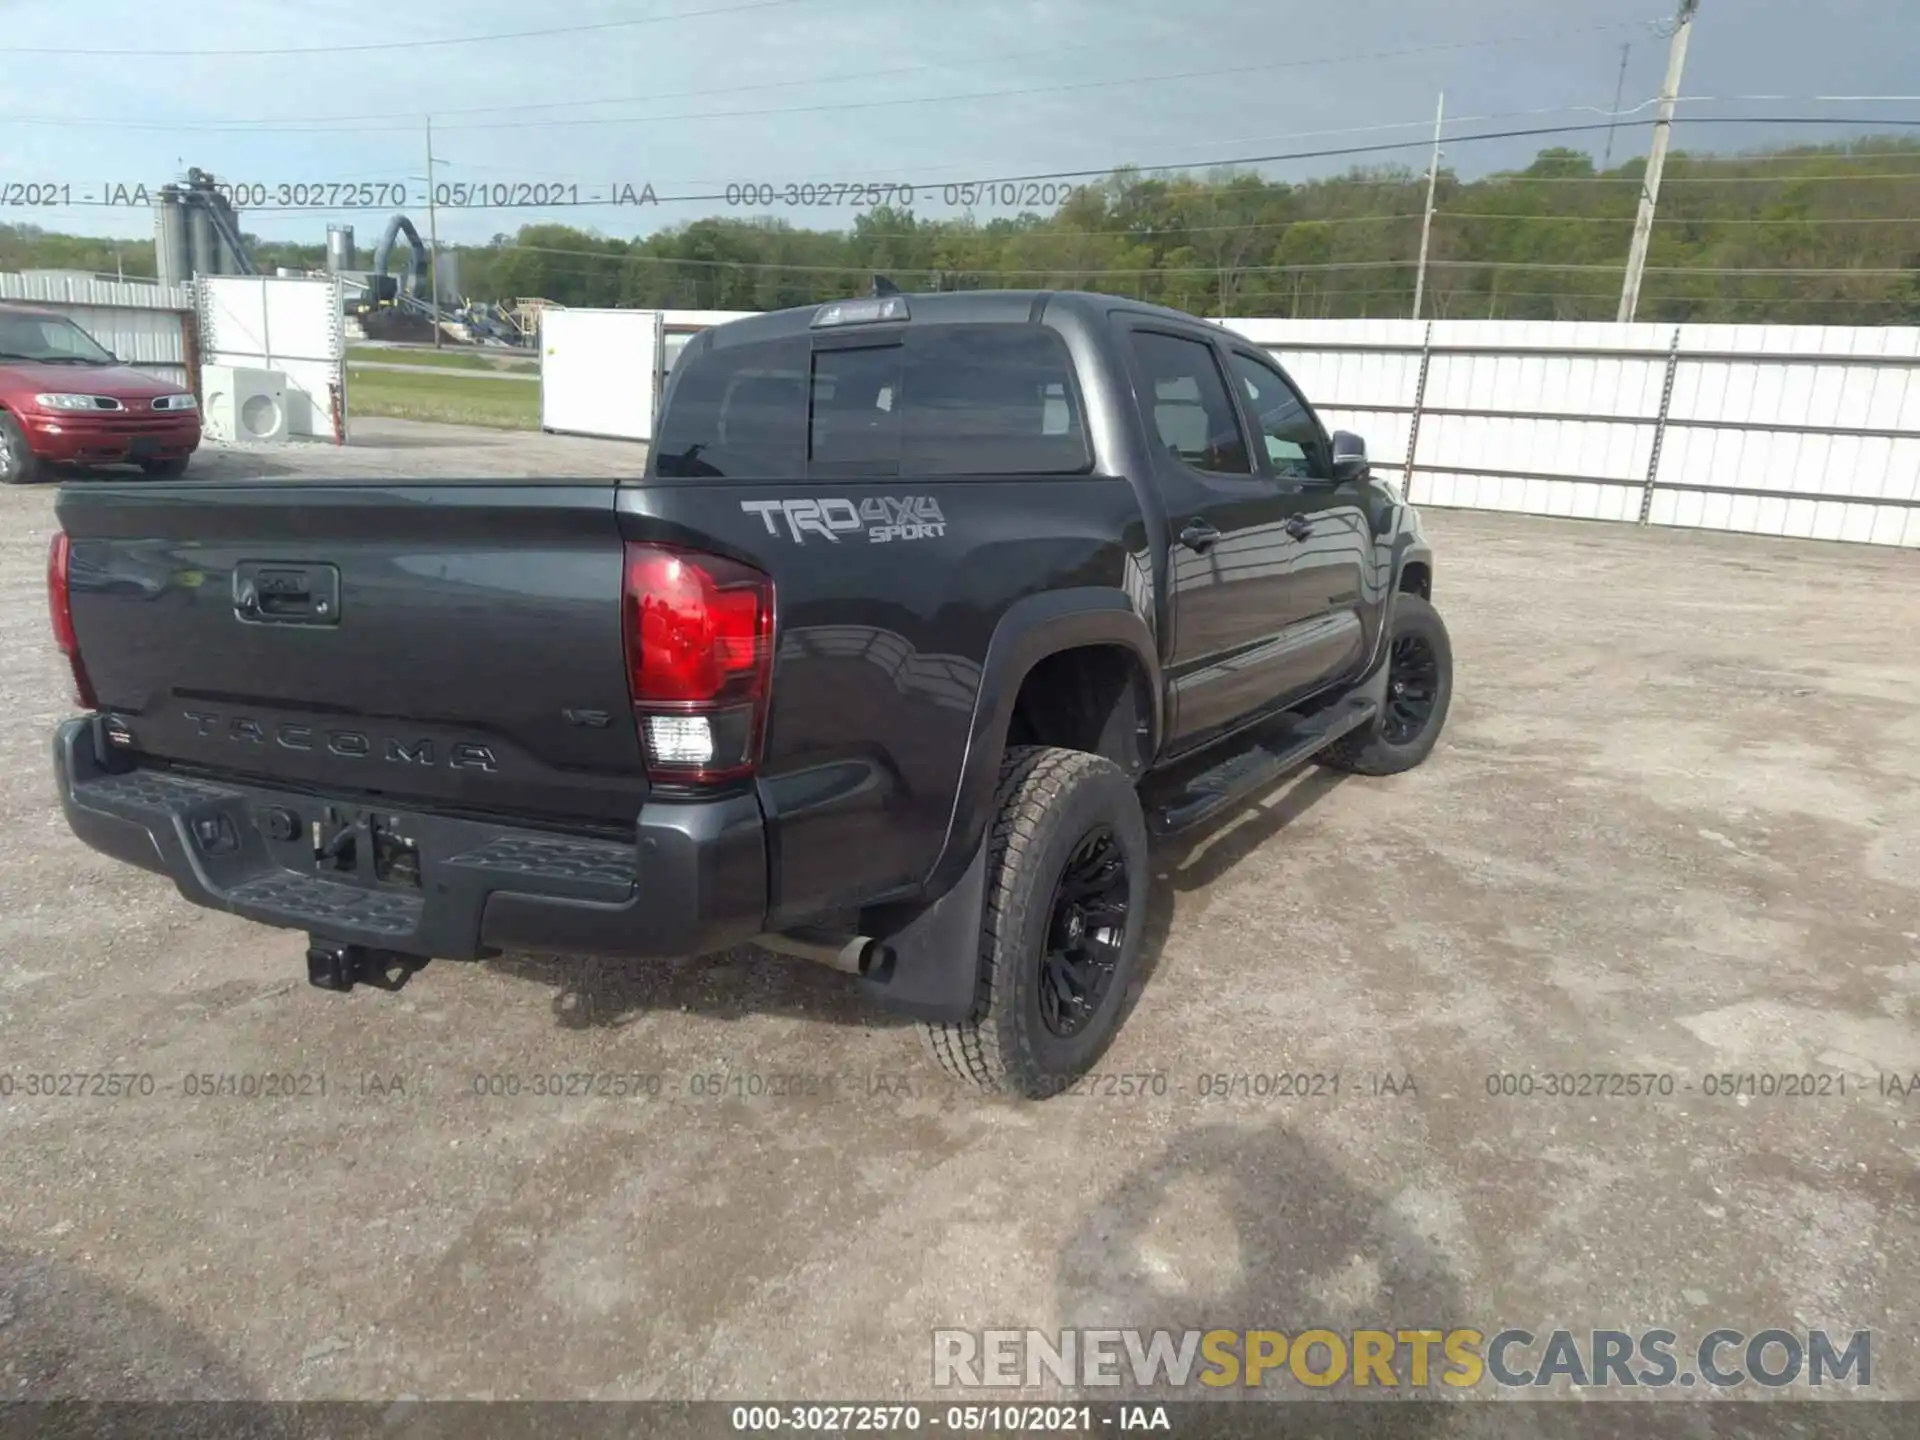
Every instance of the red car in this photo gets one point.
(64, 399)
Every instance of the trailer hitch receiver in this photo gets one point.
(334, 965)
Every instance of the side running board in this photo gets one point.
(1278, 749)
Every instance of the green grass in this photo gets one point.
(446, 359)
(449, 399)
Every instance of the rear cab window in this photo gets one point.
(927, 399)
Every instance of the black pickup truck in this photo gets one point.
(926, 613)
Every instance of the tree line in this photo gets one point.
(1545, 242)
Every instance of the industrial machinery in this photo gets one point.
(196, 232)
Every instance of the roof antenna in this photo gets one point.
(883, 286)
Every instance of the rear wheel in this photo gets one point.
(165, 469)
(1419, 690)
(18, 464)
(1066, 900)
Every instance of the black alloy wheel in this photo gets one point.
(1086, 929)
(1413, 685)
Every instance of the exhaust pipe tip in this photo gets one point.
(849, 954)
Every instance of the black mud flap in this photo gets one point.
(930, 967)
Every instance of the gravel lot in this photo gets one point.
(1674, 828)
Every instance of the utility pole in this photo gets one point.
(1426, 224)
(1656, 162)
(1619, 93)
(433, 238)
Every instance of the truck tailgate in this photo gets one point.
(454, 644)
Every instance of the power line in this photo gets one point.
(1503, 179)
(1314, 267)
(1797, 99)
(1421, 125)
(1518, 179)
(1723, 271)
(1690, 219)
(1214, 72)
(1175, 231)
(92, 51)
(1228, 162)
(1619, 89)
(963, 169)
(861, 267)
(550, 177)
(324, 122)
(1799, 155)
(1102, 174)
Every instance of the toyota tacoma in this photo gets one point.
(927, 612)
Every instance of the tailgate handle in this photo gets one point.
(276, 593)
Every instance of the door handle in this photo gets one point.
(1199, 536)
(271, 593)
(1299, 527)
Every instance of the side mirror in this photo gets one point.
(1349, 458)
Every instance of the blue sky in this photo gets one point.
(851, 90)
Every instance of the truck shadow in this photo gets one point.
(743, 983)
(72, 1338)
(747, 981)
(1224, 848)
(1244, 1224)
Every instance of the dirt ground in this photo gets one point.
(1673, 830)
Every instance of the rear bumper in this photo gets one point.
(693, 881)
(80, 439)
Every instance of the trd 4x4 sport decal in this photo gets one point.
(882, 517)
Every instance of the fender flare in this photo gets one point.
(1407, 550)
(1410, 552)
(1032, 629)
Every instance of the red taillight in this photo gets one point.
(699, 635)
(60, 609)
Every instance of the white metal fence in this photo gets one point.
(1807, 431)
(147, 325)
(292, 324)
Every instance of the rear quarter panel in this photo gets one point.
(882, 649)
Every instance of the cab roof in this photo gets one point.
(953, 307)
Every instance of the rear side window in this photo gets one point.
(991, 400)
(1192, 412)
(928, 400)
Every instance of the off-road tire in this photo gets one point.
(164, 469)
(1046, 803)
(18, 464)
(1368, 750)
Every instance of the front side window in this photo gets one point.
(1292, 439)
